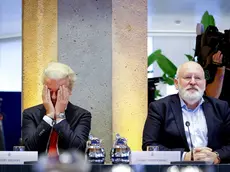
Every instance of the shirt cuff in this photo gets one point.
(48, 120)
(183, 155)
(59, 120)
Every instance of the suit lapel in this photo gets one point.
(208, 111)
(69, 112)
(42, 113)
(177, 112)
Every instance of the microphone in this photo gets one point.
(188, 124)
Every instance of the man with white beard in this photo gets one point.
(208, 119)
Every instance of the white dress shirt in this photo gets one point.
(49, 120)
(198, 125)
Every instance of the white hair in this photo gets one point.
(177, 71)
(56, 70)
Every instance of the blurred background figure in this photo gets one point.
(69, 161)
(2, 138)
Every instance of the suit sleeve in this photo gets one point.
(75, 137)
(34, 136)
(152, 129)
(224, 152)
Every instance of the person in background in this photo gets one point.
(219, 85)
(56, 124)
(208, 118)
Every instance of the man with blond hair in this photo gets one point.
(56, 124)
(208, 118)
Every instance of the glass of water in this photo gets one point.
(152, 148)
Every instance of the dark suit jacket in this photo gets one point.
(73, 131)
(164, 126)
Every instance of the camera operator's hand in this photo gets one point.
(214, 89)
(217, 58)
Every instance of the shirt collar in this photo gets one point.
(184, 106)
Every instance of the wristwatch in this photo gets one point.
(61, 115)
(218, 156)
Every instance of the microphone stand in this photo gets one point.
(188, 124)
(192, 162)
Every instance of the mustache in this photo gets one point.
(194, 88)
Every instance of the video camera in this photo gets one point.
(209, 42)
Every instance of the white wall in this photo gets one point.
(10, 45)
(10, 18)
(163, 14)
(11, 64)
(173, 46)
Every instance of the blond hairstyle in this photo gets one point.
(56, 70)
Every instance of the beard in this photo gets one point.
(191, 95)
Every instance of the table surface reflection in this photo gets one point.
(135, 168)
